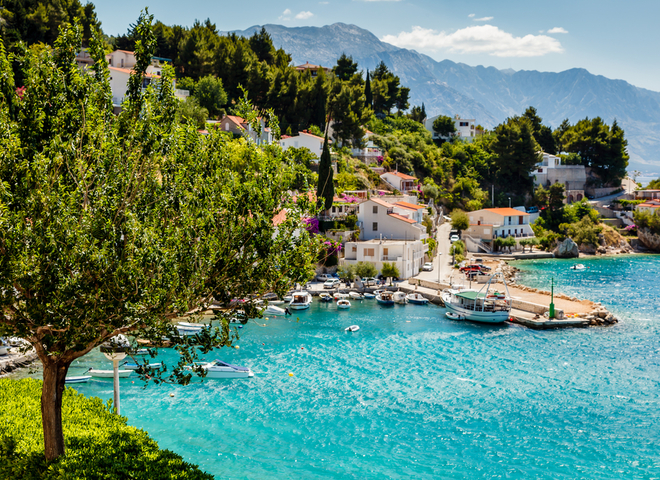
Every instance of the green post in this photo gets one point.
(551, 313)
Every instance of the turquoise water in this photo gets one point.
(413, 395)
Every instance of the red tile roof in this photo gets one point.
(311, 135)
(409, 206)
(506, 212)
(381, 202)
(237, 120)
(399, 217)
(403, 176)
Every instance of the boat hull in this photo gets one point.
(385, 303)
(299, 306)
(78, 379)
(475, 316)
(418, 302)
(109, 373)
(216, 375)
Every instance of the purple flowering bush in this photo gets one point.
(312, 225)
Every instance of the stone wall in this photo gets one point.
(648, 239)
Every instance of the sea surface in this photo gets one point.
(414, 395)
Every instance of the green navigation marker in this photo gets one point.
(551, 313)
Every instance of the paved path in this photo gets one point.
(442, 262)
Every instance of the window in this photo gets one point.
(463, 124)
(375, 226)
(227, 127)
(375, 210)
(520, 220)
(354, 248)
(334, 209)
(368, 252)
(385, 251)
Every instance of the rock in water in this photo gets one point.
(567, 249)
(648, 239)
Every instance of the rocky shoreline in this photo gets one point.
(15, 360)
(598, 316)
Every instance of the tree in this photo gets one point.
(189, 112)
(211, 94)
(460, 220)
(325, 190)
(141, 222)
(551, 202)
(509, 242)
(346, 272)
(390, 270)
(542, 133)
(418, 113)
(444, 126)
(517, 154)
(365, 269)
(345, 68)
(368, 95)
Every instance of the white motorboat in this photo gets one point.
(578, 266)
(400, 298)
(355, 296)
(486, 305)
(352, 328)
(276, 302)
(78, 379)
(185, 331)
(109, 373)
(339, 296)
(454, 316)
(135, 366)
(219, 369)
(287, 298)
(417, 299)
(273, 310)
(385, 298)
(343, 303)
(369, 296)
(301, 300)
(325, 297)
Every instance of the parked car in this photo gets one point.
(532, 209)
(428, 267)
(331, 283)
(590, 197)
(369, 282)
(471, 268)
(454, 238)
(323, 277)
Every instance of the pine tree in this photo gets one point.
(325, 190)
(367, 92)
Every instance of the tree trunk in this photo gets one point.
(51, 408)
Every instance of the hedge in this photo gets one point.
(99, 444)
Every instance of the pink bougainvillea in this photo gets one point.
(332, 247)
(312, 225)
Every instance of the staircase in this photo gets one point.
(476, 244)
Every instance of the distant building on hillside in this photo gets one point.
(313, 69)
(400, 181)
(550, 170)
(465, 128)
(304, 139)
(491, 223)
(238, 126)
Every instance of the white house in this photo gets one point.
(402, 182)
(651, 206)
(370, 153)
(304, 139)
(378, 219)
(550, 170)
(490, 223)
(408, 256)
(238, 126)
(465, 128)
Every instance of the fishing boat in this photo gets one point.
(78, 379)
(486, 305)
(339, 296)
(578, 266)
(400, 298)
(417, 299)
(325, 297)
(352, 328)
(135, 366)
(219, 369)
(356, 296)
(301, 300)
(385, 298)
(109, 373)
(369, 296)
(343, 303)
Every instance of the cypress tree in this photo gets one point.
(423, 112)
(325, 191)
(367, 92)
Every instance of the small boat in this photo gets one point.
(4, 350)
(273, 310)
(484, 306)
(140, 352)
(343, 303)
(109, 373)
(193, 325)
(385, 298)
(325, 297)
(400, 298)
(356, 296)
(454, 316)
(352, 328)
(135, 366)
(417, 299)
(78, 379)
(185, 331)
(378, 292)
(301, 300)
(287, 298)
(219, 369)
(339, 296)
(276, 302)
(369, 296)
(578, 266)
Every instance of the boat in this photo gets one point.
(135, 366)
(356, 296)
(109, 373)
(274, 310)
(352, 328)
(378, 292)
(343, 303)
(185, 331)
(287, 298)
(4, 350)
(417, 299)
(325, 297)
(400, 298)
(276, 302)
(486, 305)
(578, 266)
(385, 298)
(78, 379)
(339, 296)
(219, 369)
(301, 300)
(369, 296)
(454, 316)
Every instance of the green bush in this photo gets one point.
(99, 444)
(365, 269)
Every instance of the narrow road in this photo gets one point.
(442, 262)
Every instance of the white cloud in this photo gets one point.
(482, 19)
(557, 30)
(286, 15)
(471, 15)
(381, 0)
(482, 39)
(304, 15)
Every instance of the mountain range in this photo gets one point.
(487, 94)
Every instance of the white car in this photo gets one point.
(454, 238)
(323, 277)
(331, 283)
(428, 266)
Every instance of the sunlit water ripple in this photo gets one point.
(413, 395)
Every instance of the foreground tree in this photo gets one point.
(115, 225)
(444, 126)
(325, 190)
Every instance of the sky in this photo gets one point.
(607, 37)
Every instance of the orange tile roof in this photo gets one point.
(237, 120)
(381, 202)
(649, 205)
(400, 217)
(311, 135)
(280, 218)
(506, 212)
(130, 71)
(410, 206)
(403, 175)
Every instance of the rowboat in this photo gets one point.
(352, 328)
(417, 299)
(385, 298)
(343, 303)
(109, 373)
(325, 297)
(356, 296)
(78, 379)
(369, 296)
